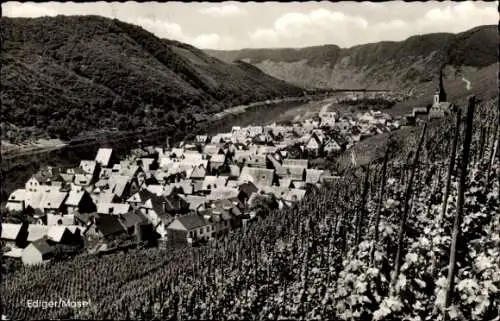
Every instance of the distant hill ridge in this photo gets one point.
(387, 64)
(69, 74)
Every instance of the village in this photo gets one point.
(188, 194)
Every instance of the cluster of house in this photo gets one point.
(439, 108)
(192, 192)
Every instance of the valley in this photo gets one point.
(153, 180)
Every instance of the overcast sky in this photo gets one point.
(234, 25)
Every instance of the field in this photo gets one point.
(375, 245)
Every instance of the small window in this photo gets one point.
(59, 222)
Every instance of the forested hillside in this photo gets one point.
(66, 74)
(403, 65)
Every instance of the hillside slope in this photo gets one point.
(384, 65)
(64, 75)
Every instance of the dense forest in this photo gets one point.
(68, 74)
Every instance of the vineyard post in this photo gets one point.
(482, 139)
(379, 206)
(361, 211)
(451, 166)
(494, 149)
(402, 224)
(460, 205)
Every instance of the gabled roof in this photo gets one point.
(37, 231)
(105, 173)
(293, 172)
(139, 152)
(165, 161)
(42, 246)
(296, 162)
(192, 221)
(118, 184)
(285, 182)
(218, 158)
(129, 219)
(147, 162)
(140, 197)
(156, 189)
(241, 156)
(198, 172)
(177, 152)
(151, 150)
(130, 171)
(75, 197)
(53, 199)
(313, 176)
(201, 138)
(103, 156)
(113, 208)
(33, 199)
(248, 188)
(257, 160)
(314, 140)
(295, 194)
(211, 149)
(197, 186)
(299, 184)
(68, 177)
(278, 191)
(109, 225)
(194, 201)
(234, 171)
(82, 179)
(212, 182)
(276, 164)
(222, 193)
(88, 166)
(48, 174)
(104, 197)
(258, 176)
(194, 159)
(85, 217)
(218, 214)
(10, 231)
(186, 185)
(174, 203)
(17, 195)
(56, 233)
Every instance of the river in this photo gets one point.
(17, 170)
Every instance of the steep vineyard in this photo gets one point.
(331, 257)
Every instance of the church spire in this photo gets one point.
(442, 93)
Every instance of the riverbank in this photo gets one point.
(9, 150)
(38, 146)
